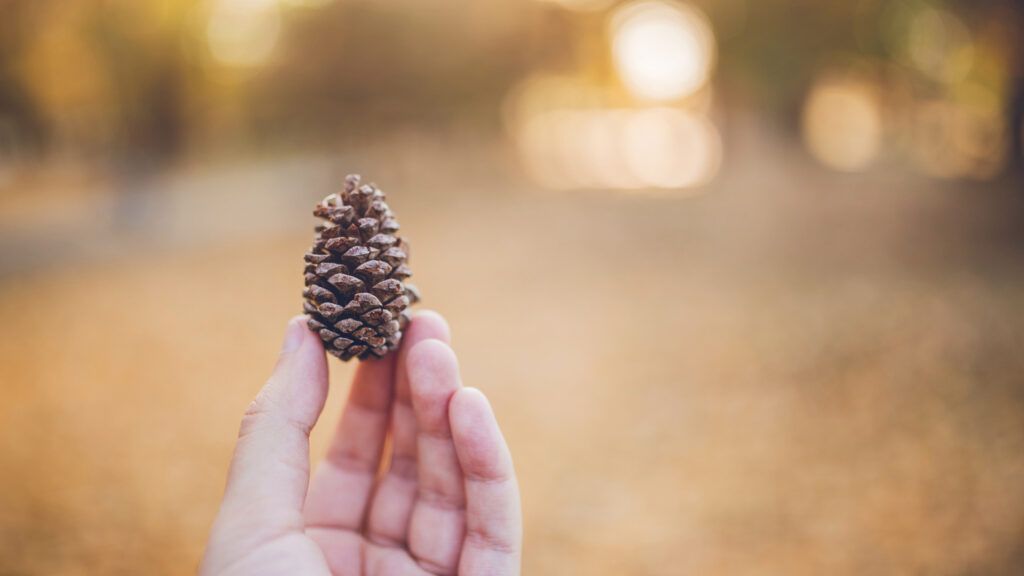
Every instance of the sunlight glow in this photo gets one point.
(243, 33)
(662, 50)
(626, 149)
(842, 123)
(962, 138)
(940, 45)
(306, 3)
(583, 5)
(671, 148)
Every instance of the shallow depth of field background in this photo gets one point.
(743, 279)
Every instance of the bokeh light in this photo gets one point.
(842, 122)
(645, 148)
(243, 32)
(582, 5)
(961, 138)
(940, 45)
(672, 148)
(306, 3)
(662, 50)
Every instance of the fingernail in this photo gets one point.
(293, 335)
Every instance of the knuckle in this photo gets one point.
(490, 539)
(264, 411)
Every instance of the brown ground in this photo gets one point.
(797, 373)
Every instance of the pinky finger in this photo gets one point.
(493, 543)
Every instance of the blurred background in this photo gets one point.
(743, 279)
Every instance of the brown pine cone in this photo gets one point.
(356, 296)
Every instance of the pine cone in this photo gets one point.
(356, 296)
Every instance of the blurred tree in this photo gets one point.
(94, 78)
(134, 79)
(22, 128)
(355, 65)
(142, 49)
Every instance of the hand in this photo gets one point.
(441, 499)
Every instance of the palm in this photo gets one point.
(348, 552)
(441, 500)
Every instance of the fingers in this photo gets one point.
(269, 471)
(396, 491)
(340, 490)
(437, 525)
(493, 541)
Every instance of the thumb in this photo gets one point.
(270, 469)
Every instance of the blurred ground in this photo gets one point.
(795, 373)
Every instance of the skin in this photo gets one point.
(418, 479)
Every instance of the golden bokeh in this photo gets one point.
(741, 279)
(643, 148)
(940, 45)
(243, 32)
(842, 123)
(662, 50)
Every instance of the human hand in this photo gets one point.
(417, 480)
